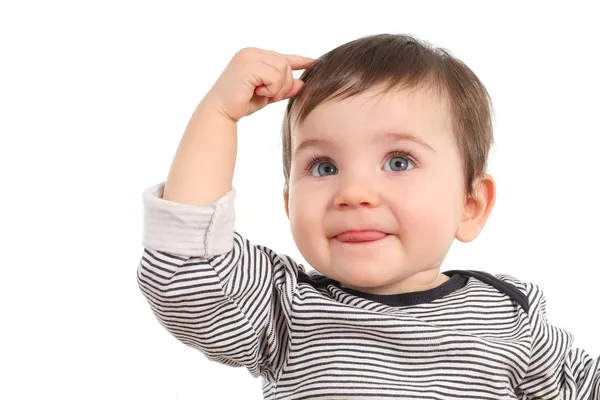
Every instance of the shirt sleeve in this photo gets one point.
(557, 370)
(213, 289)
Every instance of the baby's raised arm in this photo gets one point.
(252, 79)
(207, 285)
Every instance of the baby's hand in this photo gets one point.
(254, 78)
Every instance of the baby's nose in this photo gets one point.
(356, 193)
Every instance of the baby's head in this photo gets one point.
(389, 135)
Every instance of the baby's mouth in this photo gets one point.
(360, 236)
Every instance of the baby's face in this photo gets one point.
(363, 179)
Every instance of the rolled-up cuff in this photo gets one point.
(187, 230)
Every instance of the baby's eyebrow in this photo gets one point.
(388, 136)
(394, 136)
(305, 144)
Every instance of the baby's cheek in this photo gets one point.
(427, 219)
(305, 225)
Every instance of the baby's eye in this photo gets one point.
(323, 169)
(399, 163)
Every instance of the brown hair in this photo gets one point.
(399, 61)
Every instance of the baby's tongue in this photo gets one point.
(362, 236)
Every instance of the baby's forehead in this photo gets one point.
(373, 114)
(377, 100)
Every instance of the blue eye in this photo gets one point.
(399, 163)
(323, 169)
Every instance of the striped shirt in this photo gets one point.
(244, 305)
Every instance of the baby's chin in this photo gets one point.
(368, 272)
(394, 284)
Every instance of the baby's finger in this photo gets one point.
(297, 86)
(299, 62)
(262, 91)
(271, 80)
(287, 83)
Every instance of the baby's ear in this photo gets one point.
(477, 208)
(286, 198)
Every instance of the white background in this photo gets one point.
(94, 99)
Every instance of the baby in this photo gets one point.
(385, 143)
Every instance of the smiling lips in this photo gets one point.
(360, 236)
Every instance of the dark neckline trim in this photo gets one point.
(456, 282)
